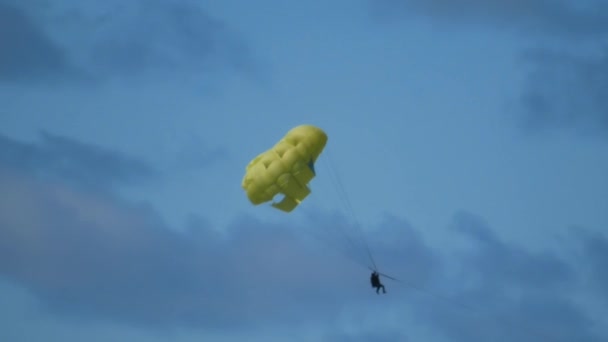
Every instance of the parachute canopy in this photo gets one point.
(286, 168)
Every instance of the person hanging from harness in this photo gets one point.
(375, 280)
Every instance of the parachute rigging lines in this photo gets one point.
(288, 167)
(348, 206)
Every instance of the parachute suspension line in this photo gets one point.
(342, 193)
(332, 177)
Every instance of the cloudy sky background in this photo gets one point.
(471, 138)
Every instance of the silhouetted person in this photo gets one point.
(375, 280)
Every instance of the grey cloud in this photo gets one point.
(559, 17)
(159, 34)
(388, 336)
(93, 257)
(501, 265)
(100, 257)
(125, 39)
(396, 247)
(531, 317)
(58, 157)
(566, 91)
(511, 294)
(26, 51)
(594, 250)
(562, 90)
(403, 250)
(103, 258)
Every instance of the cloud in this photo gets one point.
(559, 17)
(26, 51)
(567, 91)
(594, 250)
(93, 257)
(107, 259)
(500, 265)
(402, 247)
(563, 89)
(159, 33)
(390, 336)
(97, 256)
(518, 295)
(131, 39)
(60, 158)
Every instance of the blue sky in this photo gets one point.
(471, 138)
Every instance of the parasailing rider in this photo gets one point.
(375, 280)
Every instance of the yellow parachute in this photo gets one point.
(286, 168)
